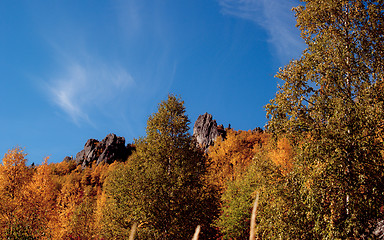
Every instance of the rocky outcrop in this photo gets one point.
(67, 159)
(110, 149)
(206, 130)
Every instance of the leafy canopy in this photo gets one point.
(160, 186)
(331, 103)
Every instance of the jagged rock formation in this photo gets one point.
(206, 130)
(67, 159)
(110, 149)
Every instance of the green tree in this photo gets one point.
(237, 201)
(331, 103)
(161, 186)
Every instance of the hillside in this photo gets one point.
(314, 172)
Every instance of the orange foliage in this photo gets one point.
(49, 201)
(13, 172)
(63, 168)
(27, 198)
(64, 201)
(39, 202)
(229, 158)
(78, 200)
(282, 155)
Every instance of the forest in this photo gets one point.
(316, 169)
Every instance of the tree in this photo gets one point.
(165, 193)
(14, 176)
(115, 206)
(331, 103)
(265, 177)
(268, 172)
(77, 202)
(39, 202)
(228, 158)
(27, 198)
(282, 154)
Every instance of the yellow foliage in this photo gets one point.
(79, 201)
(63, 168)
(282, 155)
(27, 197)
(229, 158)
(14, 174)
(39, 202)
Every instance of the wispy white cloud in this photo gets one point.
(275, 17)
(83, 85)
(64, 90)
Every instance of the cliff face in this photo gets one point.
(206, 130)
(108, 150)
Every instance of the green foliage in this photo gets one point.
(262, 176)
(117, 217)
(19, 232)
(161, 186)
(82, 219)
(237, 205)
(331, 103)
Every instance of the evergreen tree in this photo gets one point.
(331, 103)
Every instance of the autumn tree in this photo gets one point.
(14, 176)
(48, 201)
(27, 198)
(281, 153)
(39, 202)
(80, 190)
(245, 163)
(261, 176)
(229, 158)
(331, 101)
(160, 186)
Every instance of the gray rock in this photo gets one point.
(80, 157)
(67, 159)
(113, 149)
(206, 130)
(110, 149)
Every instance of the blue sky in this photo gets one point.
(73, 70)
